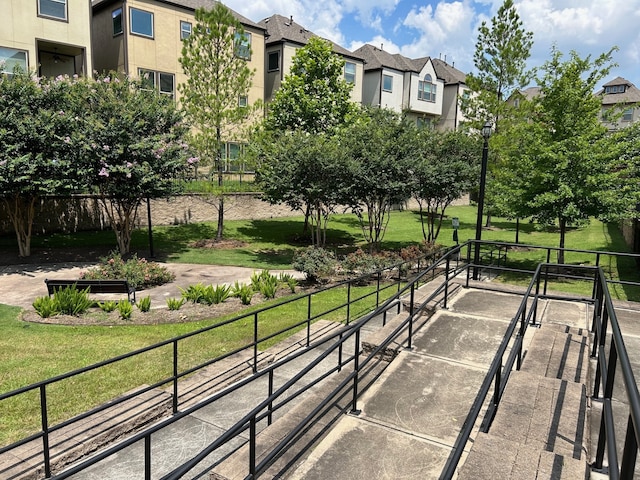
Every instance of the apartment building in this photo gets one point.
(284, 38)
(143, 38)
(403, 84)
(620, 103)
(47, 37)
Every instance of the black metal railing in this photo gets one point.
(388, 283)
(509, 357)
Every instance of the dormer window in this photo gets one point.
(615, 89)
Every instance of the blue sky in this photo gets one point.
(448, 29)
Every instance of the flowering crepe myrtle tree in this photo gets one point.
(35, 127)
(131, 148)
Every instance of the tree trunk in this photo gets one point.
(219, 168)
(220, 217)
(563, 231)
(21, 216)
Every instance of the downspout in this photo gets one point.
(125, 33)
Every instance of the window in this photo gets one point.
(387, 83)
(350, 72)
(627, 115)
(164, 82)
(141, 22)
(423, 122)
(427, 89)
(230, 153)
(185, 30)
(614, 89)
(10, 59)
(116, 15)
(53, 8)
(243, 45)
(274, 62)
(243, 101)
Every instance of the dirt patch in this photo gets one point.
(220, 244)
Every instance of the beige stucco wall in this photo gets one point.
(23, 27)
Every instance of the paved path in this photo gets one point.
(21, 284)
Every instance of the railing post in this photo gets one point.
(175, 377)
(147, 457)
(309, 320)
(356, 369)
(340, 353)
(348, 301)
(270, 415)
(252, 447)
(378, 289)
(629, 453)
(446, 284)
(411, 310)
(255, 342)
(45, 431)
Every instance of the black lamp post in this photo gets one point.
(486, 133)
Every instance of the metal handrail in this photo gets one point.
(42, 386)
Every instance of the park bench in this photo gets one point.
(94, 286)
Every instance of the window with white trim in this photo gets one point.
(141, 22)
(427, 89)
(243, 101)
(243, 45)
(10, 59)
(185, 30)
(387, 83)
(350, 72)
(116, 17)
(627, 115)
(53, 8)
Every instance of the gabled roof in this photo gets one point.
(448, 73)
(377, 58)
(188, 5)
(282, 29)
(631, 94)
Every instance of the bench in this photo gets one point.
(94, 286)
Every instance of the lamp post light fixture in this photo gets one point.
(486, 133)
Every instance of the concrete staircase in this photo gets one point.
(540, 430)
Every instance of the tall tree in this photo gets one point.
(445, 167)
(559, 171)
(379, 165)
(35, 126)
(129, 147)
(307, 170)
(214, 57)
(314, 96)
(502, 50)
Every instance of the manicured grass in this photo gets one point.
(32, 352)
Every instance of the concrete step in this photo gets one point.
(540, 429)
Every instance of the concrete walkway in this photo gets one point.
(413, 407)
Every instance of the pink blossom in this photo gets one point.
(103, 172)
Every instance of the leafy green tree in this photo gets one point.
(445, 167)
(214, 59)
(502, 50)
(558, 170)
(314, 95)
(35, 127)
(129, 147)
(307, 170)
(379, 169)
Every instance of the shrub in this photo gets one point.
(269, 287)
(138, 272)
(243, 292)
(72, 301)
(314, 262)
(361, 263)
(144, 305)
(175, 303)
(289, 280)
(219, 294)
(108, 305)
(46, 307)
(125, 309)
(194, 293)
